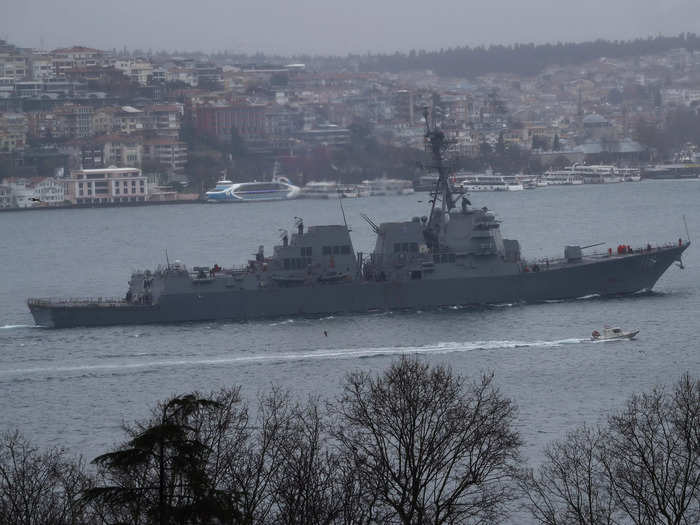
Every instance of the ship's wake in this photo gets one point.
(130, 363)
(18, 326)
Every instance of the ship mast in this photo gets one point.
(441, 196)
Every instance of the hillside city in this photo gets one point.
(168, 126)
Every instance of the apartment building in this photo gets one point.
(13, 132)
(68, 58)
(138, 70)
(164, 120)
(217, 120)
(168, 152)
(13, 64)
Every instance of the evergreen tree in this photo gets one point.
(161, 473)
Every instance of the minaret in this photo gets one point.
(579, 107)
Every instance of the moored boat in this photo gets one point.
(277, 189)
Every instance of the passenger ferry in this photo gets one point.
(279, 188)
(384, 186)
(487, 182)
(593, 174)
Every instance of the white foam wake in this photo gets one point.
(13, 326)
(344, 353)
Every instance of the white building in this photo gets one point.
(107, 185)
(33, 192)
(136, 69)
(6, 197)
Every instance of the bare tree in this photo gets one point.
(641, 467)
(652, 458)
(307, 490)
(433, 448)
(38, 487)
(255, 465)
(571, 486)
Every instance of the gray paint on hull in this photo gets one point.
(613, 276)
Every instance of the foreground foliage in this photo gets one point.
(413, 444)
(641, 467)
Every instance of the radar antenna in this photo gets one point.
(442, 198)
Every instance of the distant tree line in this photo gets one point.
(413, 445)
(522, 59)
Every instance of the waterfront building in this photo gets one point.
(107, 186)
(35, 191)
(5, 197)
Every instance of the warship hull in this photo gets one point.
(605, 276)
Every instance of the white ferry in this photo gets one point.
(321, 189)
(388, 187)
(487, 182)
(593, 174)
(280, 188)
(332, 190)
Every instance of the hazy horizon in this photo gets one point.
(322, 28)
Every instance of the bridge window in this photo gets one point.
(327, 250)
(345, 249)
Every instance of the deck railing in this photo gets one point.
(78, 301)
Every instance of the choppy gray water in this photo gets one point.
(75, 387)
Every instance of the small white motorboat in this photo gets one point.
(611, 333)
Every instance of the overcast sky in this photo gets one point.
(334, 27)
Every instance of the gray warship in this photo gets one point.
(453, 256)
